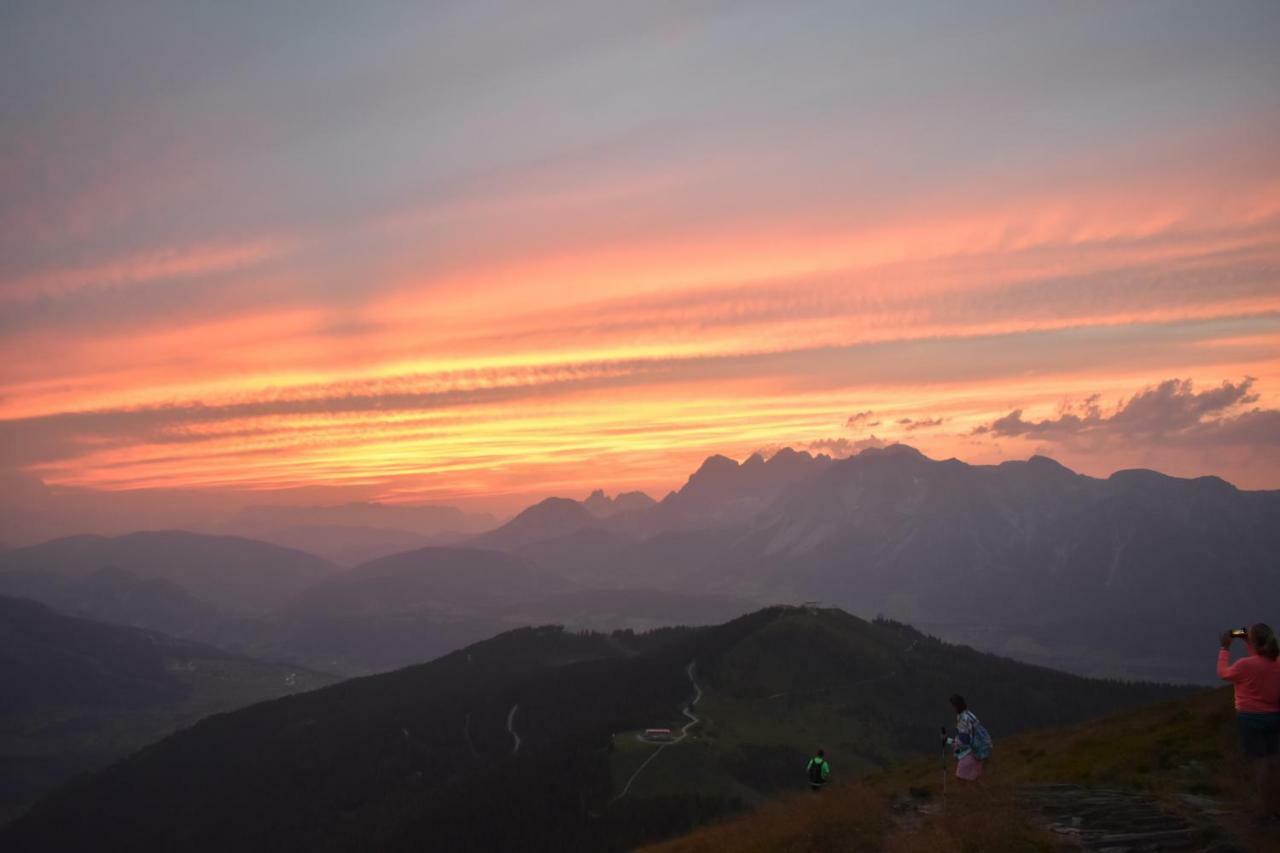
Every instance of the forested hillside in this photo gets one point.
(511, 743)
(78, 695)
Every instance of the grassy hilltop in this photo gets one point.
(869, 693)
(1178, 757)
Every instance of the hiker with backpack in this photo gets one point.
(971, 742)
(819, 770)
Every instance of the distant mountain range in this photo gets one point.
(720, 494)
(79, 695)
(411, 607)
(602, 506)
(121, 597)
(236, 575)
(530, 740)
(547, 519)
(1126, 576)
(284, 605)
(354, 533)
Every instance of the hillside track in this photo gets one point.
(515, 738)
(693, 718)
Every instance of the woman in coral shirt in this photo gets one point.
(1257, 684)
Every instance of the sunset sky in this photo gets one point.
(481, 253)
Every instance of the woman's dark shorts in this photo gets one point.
(1259, 734)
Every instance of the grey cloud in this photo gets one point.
(1171, 413)
(862, 419)
(839, 447)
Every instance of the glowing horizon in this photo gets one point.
(475, 254)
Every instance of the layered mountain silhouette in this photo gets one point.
(720, 493)
(122, 597)
(602, 506)
(530, 740)
(1126, 575)
(419, 519)
(406, 608)
(390, 612)
(80, 694)
(219, 590)
(237, 575)
(354, 533)
(418, 605)
(723, 493)
(548, 519)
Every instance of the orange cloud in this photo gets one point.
(624, 337)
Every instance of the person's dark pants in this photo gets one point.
(1259, 734)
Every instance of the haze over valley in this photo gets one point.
(1116, 577)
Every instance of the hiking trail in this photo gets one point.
(511, 718)
(687, 710)
(466, 734)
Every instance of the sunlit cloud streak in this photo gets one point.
(456, 252)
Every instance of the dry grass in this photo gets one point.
(856, 817)
(1181, 747)
(843, 817)
(980, 821)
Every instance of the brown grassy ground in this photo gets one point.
(843, 817)
(1170, 749)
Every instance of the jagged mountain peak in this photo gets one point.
(714, 463)
(893, 451)
(547, 519)
(602, 506)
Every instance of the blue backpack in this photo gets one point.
(981, 741)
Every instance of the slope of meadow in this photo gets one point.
(1177, 758)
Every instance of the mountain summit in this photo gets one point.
(602, 506)
(1112, 576)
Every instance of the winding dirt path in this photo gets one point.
(511, 719)
(466, 734)
(687, 710)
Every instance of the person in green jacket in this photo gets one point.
(819, 770)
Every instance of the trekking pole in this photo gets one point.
(944, 766)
